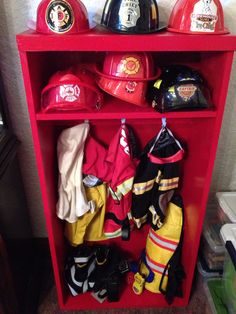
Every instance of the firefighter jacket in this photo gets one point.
(89, 227)
(94, 162)
(115, 166)
(156, 179)
(161, 264)
(72, 202)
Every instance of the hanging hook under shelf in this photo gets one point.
(164, 122)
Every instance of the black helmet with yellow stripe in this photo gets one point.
(179, 88)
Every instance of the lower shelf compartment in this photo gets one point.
(127, 300)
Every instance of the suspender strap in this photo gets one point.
(125, 226)
(161, 161)
(175, 270)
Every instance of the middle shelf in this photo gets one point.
(118, 109)
(119, 115)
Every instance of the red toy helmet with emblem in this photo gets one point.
(62, 16)
(125, 75)
(197, 17)
(71, 90)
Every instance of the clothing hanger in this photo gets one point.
(123, 120)
(163, 122)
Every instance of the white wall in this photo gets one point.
(13, 19)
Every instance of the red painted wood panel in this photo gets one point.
(199, 131)
(97, 41)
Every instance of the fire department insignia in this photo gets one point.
(70, 92)
(186, 91)
(204, 16)
(130, 65)
(59, 16)
(129, 13)
(130, 87)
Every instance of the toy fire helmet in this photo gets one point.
(71, 90)
(62, 16)
(179, 88)
(197, 17)
(125, 75)
(132, 16)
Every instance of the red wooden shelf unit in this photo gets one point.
(42, 55)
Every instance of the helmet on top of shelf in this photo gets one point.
(125, 75)
(132, 16)
(179, 87)
(62, 16)
(71, 90)
(197, 17)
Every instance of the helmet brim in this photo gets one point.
(139, 101)
(160, 27)
(175, 30)
(120, 78)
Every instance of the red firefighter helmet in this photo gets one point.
(71, 90)
(125, 76)
(62, 16)
(197, 17)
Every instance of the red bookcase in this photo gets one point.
(42, 55)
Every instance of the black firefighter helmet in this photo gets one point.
(131, 16)
(179, 88)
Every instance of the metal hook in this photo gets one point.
(164, 122)
(123, 121)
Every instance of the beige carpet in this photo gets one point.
(198, 305)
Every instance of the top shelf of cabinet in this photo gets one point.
(97, 40)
